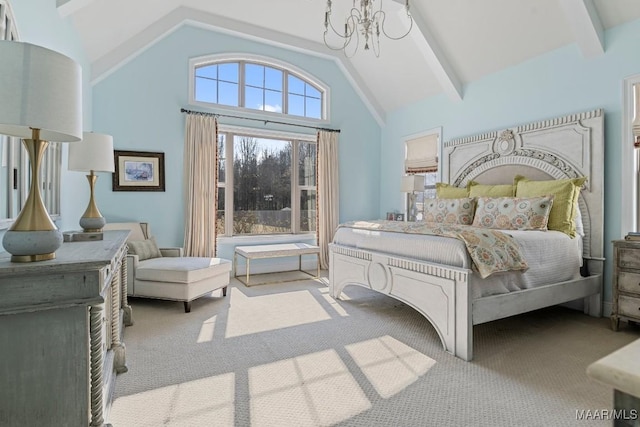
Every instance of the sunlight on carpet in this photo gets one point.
(314, 389)
(255, 314)
(190, 403)
(388, 364)
(287, 354)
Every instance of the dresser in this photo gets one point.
(625, 282)
(61, 334)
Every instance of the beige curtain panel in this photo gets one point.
(201, 181)
(422, 154)
(327, 193)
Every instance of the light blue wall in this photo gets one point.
(38, 22)
(139, 104)
(557, 83)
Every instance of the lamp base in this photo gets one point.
(92, 225)
(31, 246)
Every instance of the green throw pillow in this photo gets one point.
(484, 190)
(145, 249)
(448, 191)
(565, 201)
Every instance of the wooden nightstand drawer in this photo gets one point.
(629, 282)
(628, 306)
(629, 258)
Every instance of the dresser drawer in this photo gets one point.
(629, 282)
(629, 306)
(629, 258)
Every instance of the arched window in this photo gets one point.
(256, 83)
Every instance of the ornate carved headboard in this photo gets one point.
(563, 147)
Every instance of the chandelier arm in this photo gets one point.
(355, 18)
(366, 22)
(384, 16)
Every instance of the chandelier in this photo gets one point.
(361, 21)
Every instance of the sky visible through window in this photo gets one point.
(264, 89)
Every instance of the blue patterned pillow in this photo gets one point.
(449, 211)
(513, 213)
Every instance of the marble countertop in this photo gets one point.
(620, 369)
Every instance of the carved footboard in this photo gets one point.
(440, 293)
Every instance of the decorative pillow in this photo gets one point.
(565, 202)
(484, 190)
(449, 211)
(145, 249)
(513, 213)
(448, 191)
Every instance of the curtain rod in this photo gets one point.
(182, 110)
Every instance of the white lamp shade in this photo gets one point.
(93, 153)
(411, 183)
(39, 89)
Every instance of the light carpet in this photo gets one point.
(287, 354)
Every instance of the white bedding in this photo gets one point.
(552, 256)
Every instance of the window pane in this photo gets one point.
(254, 75)
(229, 72)
(312, 91)
(262, 186)
(273, 101)
(307, 166)
(209, 71)
(262, 85)
(296, 86)
(206, 90)
(308, 210)
(253, 98)
(221, 158)
(296, 105)
(220, 212)
(228, 94)
(313, 108)
(273, 79)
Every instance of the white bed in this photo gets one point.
(440, 284)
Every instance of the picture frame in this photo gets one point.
(138, 171)
(391, 216)
(399, 217)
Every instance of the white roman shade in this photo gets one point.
(422, 154)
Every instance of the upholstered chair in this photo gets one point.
(164, 273)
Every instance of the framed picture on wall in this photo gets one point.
(138, 171)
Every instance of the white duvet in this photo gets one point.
(552, 256)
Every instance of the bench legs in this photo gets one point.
(246, 281)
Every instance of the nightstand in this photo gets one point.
(625, 282)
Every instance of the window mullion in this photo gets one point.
(229, 184)
(241, 83)
(285, 92)
(295, 191)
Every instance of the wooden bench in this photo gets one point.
(274, 251)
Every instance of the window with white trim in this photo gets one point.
(266, 183)
(421, 158)
(256, 83)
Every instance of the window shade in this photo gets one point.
(422, 154)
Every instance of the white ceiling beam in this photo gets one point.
(433, 54)
(586, 25)
(69, 7)
(108, 63)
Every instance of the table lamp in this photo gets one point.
(40, 101)
(93, 154)
(411, 184)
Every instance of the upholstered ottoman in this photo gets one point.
(180, 278)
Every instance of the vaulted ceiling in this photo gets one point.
(452, 42)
